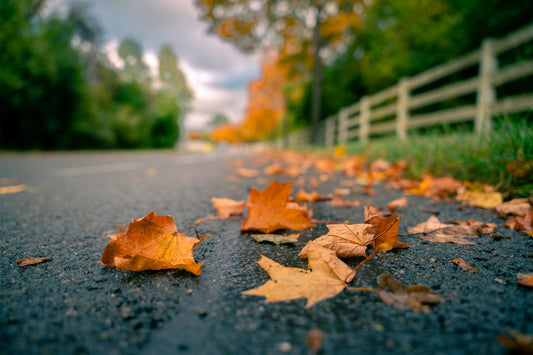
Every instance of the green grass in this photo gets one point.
(464, 156)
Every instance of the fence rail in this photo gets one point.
(408, 105)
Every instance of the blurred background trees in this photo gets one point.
(60, 91)
(364, 46)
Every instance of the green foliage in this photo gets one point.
(464, 155)
(59, 93)
(405, 37)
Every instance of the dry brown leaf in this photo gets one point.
(15, 189)
(152, 243)
(523, 222)
(30, 260)
(385, 230)
(346, 240)
(274, 169)
(524, 279)
(517, 207)
(476, 227)
(267, 210)
(400, 202)
(415, 297)
(463, 265)
(324, 280)
(438, 232)
(517, 343)
(227, 207)
(276, 238)
(309, 196)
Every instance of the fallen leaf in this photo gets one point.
(247, 173)
(393, 205)
(481, 199)
(441, 237)
(463, 265)
(437, 186)
(342, 192)
(273, 169)
(438, 232)
(517, 343)
(524, 279)
(385, 230)
(309, 196)
(340, 201)
(346, 240)
(276, 238)
(325, 166)
(267, 210)
(289, 283)
(30, 260)
(517, 207)
(15, 189)
(476, 227)
(523, 222)
(315, 337)
(415, 297)
(227, 207)
(369, 190)
(152, 243)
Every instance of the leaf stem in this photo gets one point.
(366, 260)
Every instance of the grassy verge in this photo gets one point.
(503, 158)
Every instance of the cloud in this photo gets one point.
(216, 71)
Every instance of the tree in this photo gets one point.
(135, 69)
(299, 29)
(172, 78)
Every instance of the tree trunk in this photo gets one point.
(317, 79)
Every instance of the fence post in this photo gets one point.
(402, 108)
(364, 119)
(329, 140)
(486, 95)
(343, 127)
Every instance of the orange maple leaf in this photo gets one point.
(268, 211)
(152, 243)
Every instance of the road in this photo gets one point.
(73, 304)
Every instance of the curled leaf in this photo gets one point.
(276, 238)
(415, 297)
(30, 260)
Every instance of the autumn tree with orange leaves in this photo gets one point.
(298, 29)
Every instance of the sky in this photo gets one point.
(217, 73)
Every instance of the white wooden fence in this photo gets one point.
(394, 110)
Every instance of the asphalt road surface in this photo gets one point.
(74, 305)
